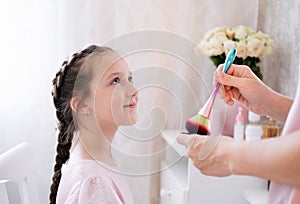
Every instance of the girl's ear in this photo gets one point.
(79, 106)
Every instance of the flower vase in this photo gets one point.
(251, 47)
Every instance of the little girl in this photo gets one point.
(93, 95)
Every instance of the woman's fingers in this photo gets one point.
(186, 139)
(207, 154)
(233, 77)
(192, 142)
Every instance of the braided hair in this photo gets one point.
(64, 88)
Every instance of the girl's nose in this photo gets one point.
(132, 91)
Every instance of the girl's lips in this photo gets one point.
(131, 105)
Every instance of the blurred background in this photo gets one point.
(37, 35)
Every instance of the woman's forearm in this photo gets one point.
(278, 106)
(276, 159)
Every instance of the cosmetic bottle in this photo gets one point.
(254, 130)
(239, 126)
(271, 127)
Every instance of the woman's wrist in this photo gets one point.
(236, 154)
(279, 106)
(242, 161)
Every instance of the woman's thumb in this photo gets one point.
(227, 80)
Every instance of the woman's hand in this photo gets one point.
(210, 154)
(275, 159)
(241, 84)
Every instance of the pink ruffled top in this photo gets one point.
(90, 182)
(282, 193)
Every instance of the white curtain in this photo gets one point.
(36, 36)
(28, 60)
(281, 68)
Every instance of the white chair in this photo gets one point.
(17, 165)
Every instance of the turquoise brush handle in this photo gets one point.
(228, 62)
(229, 59)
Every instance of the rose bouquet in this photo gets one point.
(251, 46)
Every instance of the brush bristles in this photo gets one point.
(198, 125)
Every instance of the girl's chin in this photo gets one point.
(130, 121)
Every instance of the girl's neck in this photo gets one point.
(94, 147)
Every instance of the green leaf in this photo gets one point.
(249, 61)
(218, 59)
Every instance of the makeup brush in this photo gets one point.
(200, 123)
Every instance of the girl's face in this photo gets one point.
(115, 97)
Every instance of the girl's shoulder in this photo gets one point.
(90, 180)
(84, 169)
(93, 189)
(99, 188)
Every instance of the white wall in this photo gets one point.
(28, 59)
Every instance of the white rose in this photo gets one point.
(241, 49)
(220, 37)
(230, 33)
(210, 48)
(219, 29)
(214, 48)
(202, 48)
(228, 45)
(249, 30)
(248, 43)
(262, 36)
(212, 32)
(242, 32)
(267, 41)
(255, 47)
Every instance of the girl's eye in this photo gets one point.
(130, 79)
(115, 81)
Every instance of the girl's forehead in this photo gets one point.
(107, 63)
(105, 60)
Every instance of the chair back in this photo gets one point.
(17, 165)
